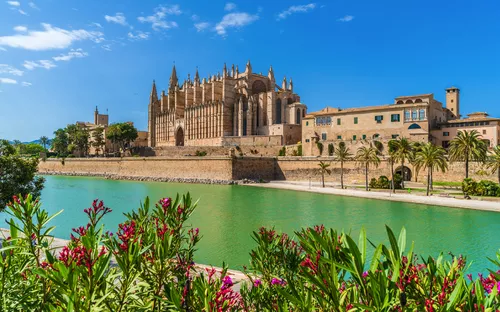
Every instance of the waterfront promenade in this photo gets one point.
(436, 200)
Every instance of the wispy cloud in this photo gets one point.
(39, 64)
(96, 25)
(234, 20)
(7, 69)
(3, 49)
(118, 18)
(73, 53)
(229, 6)
(21, 28)
(49, 38)
(201, 26)
(8, 81)
(26, 84)
(346, 18)
(158, 20)
(195, 17)
(106, 47)
(14, 3)
(296, 9)
(22, 12)
(139, 35)
(33, 6)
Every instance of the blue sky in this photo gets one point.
(59, 59)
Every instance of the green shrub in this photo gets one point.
(373, 183)
(71, 156)
(282, 151)
(384, 183)
(299, 150)
(330, 149)
(200, 153)
(398, 181)
(469, 186)
(319, 145)
(481, 188)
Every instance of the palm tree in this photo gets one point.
(392, 156)
(323, 168)
(494, 162)
(402, 151)
(342, 154)
(467, 146)
(431, 157)
(44, 141)
(367, 156)
(412, 160)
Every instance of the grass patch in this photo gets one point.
(459, 184)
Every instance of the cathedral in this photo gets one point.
(226, 109)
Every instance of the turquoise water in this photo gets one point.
(227, 215)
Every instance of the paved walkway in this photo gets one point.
(435, 200)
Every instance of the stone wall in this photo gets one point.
(181, 151)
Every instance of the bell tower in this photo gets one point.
(453, 101)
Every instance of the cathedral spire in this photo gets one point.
(248, 68)
(291, 85)
(197, 77)
(224, 71)
(153, 97)
(173, 78)
(283, 84)
(270, 74)
(233, 72)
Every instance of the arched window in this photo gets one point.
(297, 115)
(278, 111)
(258, 87)
(414, 114)
(303, 113)
(290, 100)
(376, 136)
(400, 102)
(409, 102)
(418, 101)
(414, 126)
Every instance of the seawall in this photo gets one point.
(226, 170)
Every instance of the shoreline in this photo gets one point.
(303, 186)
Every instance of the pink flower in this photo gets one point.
(227, 282)
(257, 283)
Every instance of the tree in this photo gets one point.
(367, 156)
(60, 142)
(122, 134)
(81, 141)
(17, 175)
(342, 154)
(31, 149)
(494, 162)
(467, 146)
(417, 146)
(98, 140)
(44, 141)
(402, 151)
(323, 168)
(431, 157)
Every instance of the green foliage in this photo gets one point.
(44, 141)
(60, 142)
(200, 153)
(367, 156)
(122, 134)
(384, 182)
(282, 151)
(17, 174)
(468, 146)
(330, 149)
(31, 149)
(98, 141)
(433, 158)
(481, 188)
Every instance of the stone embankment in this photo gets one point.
(152, 179)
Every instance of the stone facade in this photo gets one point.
(225, 110)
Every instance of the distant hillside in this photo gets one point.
(34, 141)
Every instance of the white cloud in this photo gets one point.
(7, 69)
(78, 53)
(49, 38)
(22, 12)
(21, 28)
(201, 26)
(33, 6)
(296, 9)
(229, 6)
(106, 47)
(40, 64)
(3, 49)
(139, 35)
(26, 84)
(195, 17)
(8, 80)
(14, 3)
(346, 18)
(119, 18)
(234, 20)
(96, 25)
(158, 19)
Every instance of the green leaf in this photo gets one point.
(362, 244)
(402, 240)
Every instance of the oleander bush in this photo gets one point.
(481, 188)
(384, 183)
(147, 265)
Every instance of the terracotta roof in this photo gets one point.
(335, 111)
(471, 120)
(414, 96)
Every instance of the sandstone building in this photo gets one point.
(231, 108)
(420, 118)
